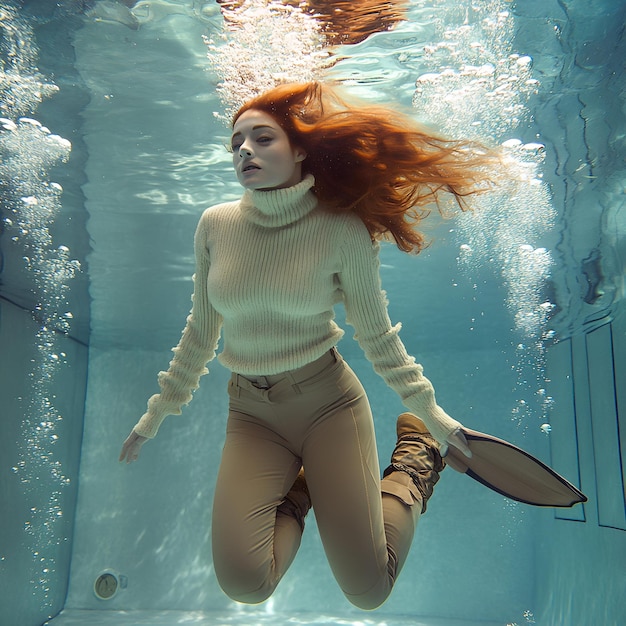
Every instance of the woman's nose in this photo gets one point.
(244, 150)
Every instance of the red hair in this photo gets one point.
(373, 161)
(348, 22)
(341, 21)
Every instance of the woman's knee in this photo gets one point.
(245, 587)
(374, 596)
(368, 601)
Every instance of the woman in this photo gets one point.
(323, 182)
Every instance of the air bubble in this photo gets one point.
(7, 124)
(61, 141)
(209, 10)
(534, 147)
(529, 617)
(30, 121)
(428, 78)
(511, 143)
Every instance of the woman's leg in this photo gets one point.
(366, 537)
(254, 542)
(325, 424)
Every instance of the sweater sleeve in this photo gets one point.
(366, 311)
(195, 349)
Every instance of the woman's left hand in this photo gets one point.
(132, 447)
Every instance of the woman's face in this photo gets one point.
(263, 156)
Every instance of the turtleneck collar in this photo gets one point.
(279, 207)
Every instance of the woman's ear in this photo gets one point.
(300, 155)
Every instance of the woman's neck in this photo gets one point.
(278, 207)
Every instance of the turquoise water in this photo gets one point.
(112, 145)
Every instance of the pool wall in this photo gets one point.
(39, 464)
(35, 542)
(580, 576)
(580, 551)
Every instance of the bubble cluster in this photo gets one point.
(22, 87)
(477, 86)
(28, 151)
(529, 618)
(473, 63)
(264, 44)
(504, 229)
(30, 204)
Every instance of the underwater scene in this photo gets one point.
(115, 130)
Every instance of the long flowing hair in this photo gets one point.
(341, 21)
(374, 161)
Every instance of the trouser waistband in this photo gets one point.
(297, 375)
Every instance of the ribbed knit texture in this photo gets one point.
(269, 271)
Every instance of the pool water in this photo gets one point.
(112, 145)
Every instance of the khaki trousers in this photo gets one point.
(317, 417)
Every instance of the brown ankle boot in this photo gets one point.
(297, 502)
(417, 454)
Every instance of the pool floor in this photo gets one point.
(244, 618)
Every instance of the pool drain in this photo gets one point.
(106, 585)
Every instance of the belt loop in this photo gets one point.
(294, 383)
(236, 386)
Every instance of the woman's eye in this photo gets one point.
(236, 145)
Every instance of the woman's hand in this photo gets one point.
(132, 447)
(456, 440)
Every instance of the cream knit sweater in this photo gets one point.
(269, 270)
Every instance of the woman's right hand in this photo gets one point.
(132, 447)
(457, 440)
